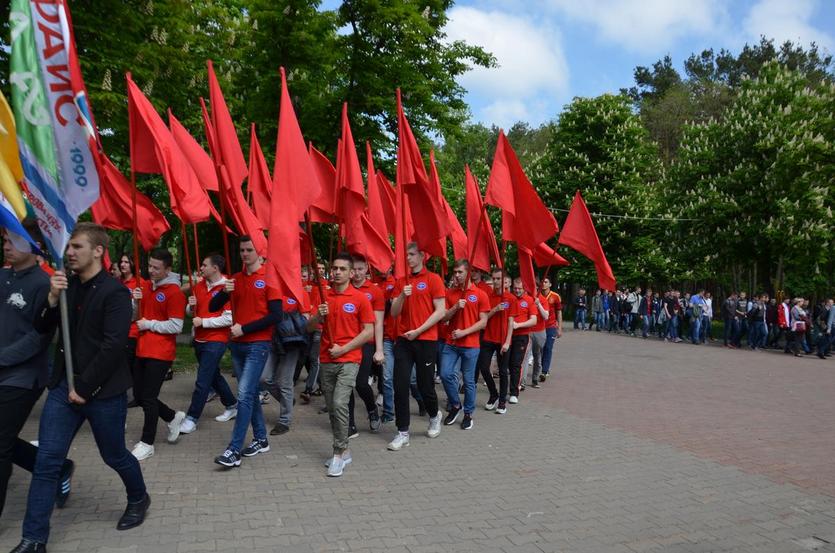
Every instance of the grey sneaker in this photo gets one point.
(174, 426)
(336, 467)
(401, 440)
(434, 426)
(346, 459)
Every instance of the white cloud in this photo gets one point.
(647, 25)
(531, 63)
(782, 21)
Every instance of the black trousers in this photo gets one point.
(15, 406)
(147, 383)
(518, 346)
(362, 387)
(422, 355)
(131, 355)
(485, 356)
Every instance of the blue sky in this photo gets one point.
(550, 51)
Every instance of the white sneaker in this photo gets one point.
(174, 426)
(490, 405)
(264, 397)
(434, 426)
(228, 414)
(513, 399)
(336, 466)
(142, 451)
(188, 426)
(346, 459)
(401, 440)
(379, 400)
(437, 379)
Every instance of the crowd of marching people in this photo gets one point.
(348, 331)
(762, 322)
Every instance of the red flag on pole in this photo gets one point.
(525, 219)
(197, 157)
(376, 209)
(293, 173)
(260, 181)
(389, 201)
(113, 209)
(544, 256)
(323, 209)
(578, 233)
(456, 232)
(482, 244)
(228, 152)
(350, 200)
(155, 151)
(526, 272)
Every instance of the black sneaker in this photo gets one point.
(467, 423)
(256, 447)
(279, 429)
(64, 485)
(229, 459)
(29, 546)
(452, 416)
(353, 432)
(374, 420)
(542, 377)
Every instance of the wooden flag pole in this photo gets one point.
(313, 260)
(197, 245)
(188, 258)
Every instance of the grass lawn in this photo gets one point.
(187, 362)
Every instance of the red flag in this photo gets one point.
(154, 150)
(260, 181)
(350, 201)
(424, 203)
(401, 267)
(377, 250)
(197, 157)
(376, 209)
(526, 272)
(456, 233)
(482, 244)
(113, 209)
(293, 172)
(228, 152)
(389, 201)
(544, 256)
(323, 209)
(525, 219)
(578, 233)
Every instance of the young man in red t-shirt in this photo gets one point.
(349, 323)
(256, 308)
(467, 308)
(372, 351)
(496, 340)
(553, 327)
(524, 320)
(163, 310)
(211, 336)
(538, 336)
(419, 303)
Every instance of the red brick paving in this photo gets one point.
(764, 412)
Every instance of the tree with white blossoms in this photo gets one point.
(761, 183)
(601, 148)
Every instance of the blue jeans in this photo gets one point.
(673, 328)
(248, 359)
(60, 420)
(696, 330)
(548, 348)
(580, 318)
(208, 377)
(646, 323)
(450, 358)
(705, 330)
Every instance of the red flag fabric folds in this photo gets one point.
(578, 233)
(154, 150)
(228, 152)
(197, 157)
(544, 256)
(114, 210)
(482, 244)
(260, 181)
(526, 272)
(525, 219)
(323, 209)
(388, 200)
(376, 209)
(293, 172)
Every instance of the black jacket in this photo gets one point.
(99, 336)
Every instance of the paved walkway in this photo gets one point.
(633, 446)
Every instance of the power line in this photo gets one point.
(654, 218)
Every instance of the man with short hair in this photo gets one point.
(349, 323)
(99, 318)
(496, 339)
(160, 319)
(24, 353)
(697, 310)
(372, 351)
(553, 326)
(580, 305)
(210, 330)
(524, 320)
(646, 313)
(467, 308)
(419, 303)
(256, 308)
(538, 335)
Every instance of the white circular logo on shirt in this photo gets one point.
(160, 297)
(349, 308)
(421, 285)
(523, 303)
(505, 305)
(368, 295)
(260, 284)
(390, 287)
(214, 293)
(472, 298)
(291, 301)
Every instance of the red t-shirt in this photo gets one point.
(348, 312)
(540, 320)
(131, 284)
(203, 294)
(525, 309)
(484, 287)
(374, 294)
(496, 329)
(166, 302)
(426, 287)
(389, 322)
(477, 303)
(249, 303)
(554, 305)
